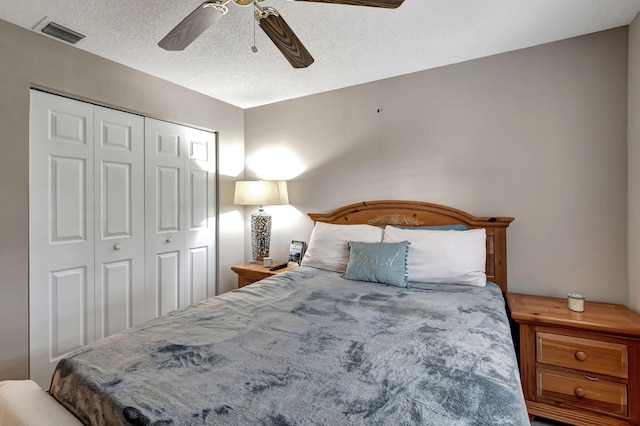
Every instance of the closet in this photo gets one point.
(122, 217)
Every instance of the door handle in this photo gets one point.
(116, 246)
(169, 239)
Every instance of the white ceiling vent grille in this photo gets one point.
(62, 33)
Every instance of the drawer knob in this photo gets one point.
(580, 393)
(581, 356)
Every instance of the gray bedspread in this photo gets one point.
(307, 347)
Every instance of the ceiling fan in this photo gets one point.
(267, 18)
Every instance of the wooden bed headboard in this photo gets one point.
(418, 213)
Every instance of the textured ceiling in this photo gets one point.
(351, 45)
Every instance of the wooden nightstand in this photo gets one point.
(249, 273)
(579, 368)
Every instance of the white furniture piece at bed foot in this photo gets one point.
(24, 403)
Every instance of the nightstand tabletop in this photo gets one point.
(258, 267)
(249, 273)
(597, 316)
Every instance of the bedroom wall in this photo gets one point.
(538, 134)
(29, 58)
(634, 163)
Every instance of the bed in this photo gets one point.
(310, 347)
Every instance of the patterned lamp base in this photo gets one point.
(260, 234)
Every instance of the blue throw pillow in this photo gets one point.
(452, 227)
(384, 263)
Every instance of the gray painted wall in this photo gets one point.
(32, 59)
(538, 134)
(634, 164)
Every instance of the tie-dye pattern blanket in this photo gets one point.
(307, 347)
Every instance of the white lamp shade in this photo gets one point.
(261, 192)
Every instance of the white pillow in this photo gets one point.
(328, 245)
(452, 257)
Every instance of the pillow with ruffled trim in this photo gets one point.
(384, 263)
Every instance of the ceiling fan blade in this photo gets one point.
(389, 4)
(193, 25)
(283, 37)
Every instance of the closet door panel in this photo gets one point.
(119, 224)
(180, 218)
(199, 273)
(168, 199)
(68, 199)
(69, 320)
(164, 217)
(116, 294)
(200, 210)
(116, 211)
(199, 197)
(61, 231)
(168, 281)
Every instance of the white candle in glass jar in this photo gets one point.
(576, 302)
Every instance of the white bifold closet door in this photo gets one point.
(86, 226)
(122, 216)
(180, 185)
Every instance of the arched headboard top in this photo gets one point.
(419, 213)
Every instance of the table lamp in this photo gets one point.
(260, 193)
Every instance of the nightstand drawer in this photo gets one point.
(589, 355)
(244, 281)
(598, 395)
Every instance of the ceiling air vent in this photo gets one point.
(63, 33)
